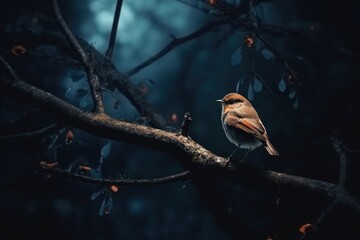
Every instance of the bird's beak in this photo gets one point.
(220, 100)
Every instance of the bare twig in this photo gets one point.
(111, 94)
(279, 58)
(320, 219)
(248, 27)
(223, 39)
(177, 42)
(194, 6)
(341, 151)
(266, 85)
(351, 150)
(36, 133)
(304, 34)
(88, 62)
(114, 28)
(121, 181)
(186, 124)
(63, 60)
(325, 213)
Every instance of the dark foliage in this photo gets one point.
(296, 60)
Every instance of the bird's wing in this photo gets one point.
(248, 125)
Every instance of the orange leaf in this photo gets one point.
(307, 228)
(143, 89)
(212, 2)
(48, 165)
(69, 137)
(249, 41)
(173, 118)
(18, 50)
(114, 188)
(84, 168)
(291, 76)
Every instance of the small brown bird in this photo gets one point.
(242, 125)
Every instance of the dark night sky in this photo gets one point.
(320, 44)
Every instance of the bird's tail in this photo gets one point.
(270, 148)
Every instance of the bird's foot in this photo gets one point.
(235, 162)
(227, 161)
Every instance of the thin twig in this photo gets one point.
(318, 221)
(259, 77)
(68, 61)
(207, 11)
(26, 135)
(121, 181)
(114, 28)
(305, 34)
(110, 93)
(341, 151)
(351, 150)
(176, 42)
(223, 39)
(9, 69)
(248, 27)
(186, 124)
(87, 60)
(279, 58)
(325, 213)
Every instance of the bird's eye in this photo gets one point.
(232, 101)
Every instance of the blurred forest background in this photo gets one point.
(317, 40)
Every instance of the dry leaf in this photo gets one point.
(249, 41)
(18, 50)
(143, 89)
(173, 118)
(114, 188)
(69, 137)
(307, 228)
(48, 165)
(84, 168)
(212, 2)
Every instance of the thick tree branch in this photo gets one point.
(87, 60)
(108, 182)
(189, 153)
(177, 42)
(114, 28)
(40, 132)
